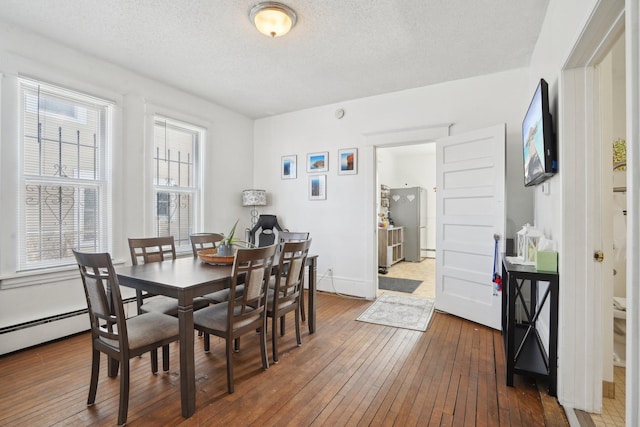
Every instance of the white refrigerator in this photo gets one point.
(408, 209)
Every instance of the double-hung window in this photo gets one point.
(64, 194)
(176, 184)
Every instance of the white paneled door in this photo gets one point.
(470, 187)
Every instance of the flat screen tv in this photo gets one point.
(538, 139)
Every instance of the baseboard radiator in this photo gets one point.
(35, 332)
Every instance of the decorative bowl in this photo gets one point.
(210, 256)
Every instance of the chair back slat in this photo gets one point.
(151, 249)
(202, 241)
(293, 236)
(254, 265)
(104, 301)
(290, 275)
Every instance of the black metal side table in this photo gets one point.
(524, 347)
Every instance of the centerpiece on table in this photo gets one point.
(225, 246)
(224, 252)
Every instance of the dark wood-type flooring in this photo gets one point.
(348, 373)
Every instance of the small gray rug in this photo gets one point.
(397, 284)
(399, 311)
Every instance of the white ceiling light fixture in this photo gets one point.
(273, 19)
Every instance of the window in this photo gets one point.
(175, 163)
(64, 191)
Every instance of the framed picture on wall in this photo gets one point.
(289, 167)
(348, 161)
(317, 187)
(318, 162)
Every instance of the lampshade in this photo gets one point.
(272, 19)
(254, 198)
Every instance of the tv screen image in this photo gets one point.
(533, 139)
(538, 139)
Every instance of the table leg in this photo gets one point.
(511, 302)
(312, 295)
(553, 339)
(187, 357)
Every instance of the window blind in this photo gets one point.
(64, 193)
(176, 188)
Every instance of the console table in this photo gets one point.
(524, 348)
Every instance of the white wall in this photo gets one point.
(343, 226)
(227, 158)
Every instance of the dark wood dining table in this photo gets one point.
(185, 279)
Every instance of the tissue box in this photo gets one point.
(547, 261)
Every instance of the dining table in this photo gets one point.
(185, 279)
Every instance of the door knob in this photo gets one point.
(598, 256)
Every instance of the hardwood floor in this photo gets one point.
(348, 373)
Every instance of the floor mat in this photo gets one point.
(399, 311)
(397, 284)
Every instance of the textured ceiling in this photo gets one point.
(339, 50)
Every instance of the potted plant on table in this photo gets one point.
(225, 247)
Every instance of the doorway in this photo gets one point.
(612, 106)
(581, 141)
(406, 246)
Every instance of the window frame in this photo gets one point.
(190, 124)
(102, 182)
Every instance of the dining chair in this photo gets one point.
(158, 249)
(294, 236)
(111, 332)
(241, 314)
(285, 294)
(206, 241)
(200, 241)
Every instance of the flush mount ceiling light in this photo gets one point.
(272, 19)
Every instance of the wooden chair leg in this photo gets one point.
(95, 371)
(207, 343)
(165, 358)
(263, 347)
(154, 361)
(230, 346)
(124, 394)
(301, 302)
(297, 320)
(274, 338)
(282, 327)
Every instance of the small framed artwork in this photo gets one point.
(318, 162)
(348, 161)
(289, 167)
(317, 187)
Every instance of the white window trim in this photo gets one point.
(154, 112)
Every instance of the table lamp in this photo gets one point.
(254, 198)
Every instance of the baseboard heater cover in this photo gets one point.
(35, 332)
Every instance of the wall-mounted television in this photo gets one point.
(538, 139)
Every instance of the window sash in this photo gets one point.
(175, 171)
